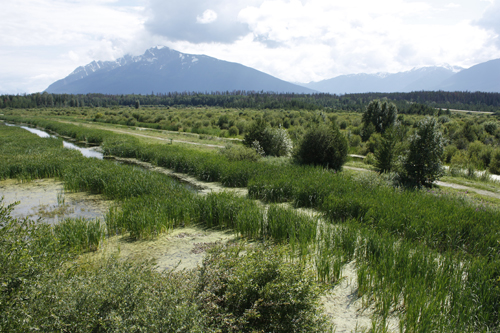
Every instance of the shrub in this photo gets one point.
(354, 140)
(254, 132)
(239, 153)
(370, 159)
(449, 152)
(274, 141)
(324, 146)
(490, 127)
(233, 131)
(385, 154)
(495, 162)
(254, 289)
(277, 142)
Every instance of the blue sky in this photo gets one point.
(299, 41)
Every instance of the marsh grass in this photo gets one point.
(80, 234)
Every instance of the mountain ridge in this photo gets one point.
(166, 70)
(161, 69)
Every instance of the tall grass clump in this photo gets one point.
(80, 234)
(285, 225)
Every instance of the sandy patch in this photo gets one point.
(183, 248)
(346, 310)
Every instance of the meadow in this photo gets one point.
(428, 259)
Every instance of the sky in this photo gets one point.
(42, 41)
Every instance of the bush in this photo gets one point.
(274, 141)
(277, 142)
(233, 131)
(324, 146)
(254, 289)
(495, 162)
(370, 159)
(240, 153)
(449, 152)
(490, 127)
(354, 140)
(385, 154)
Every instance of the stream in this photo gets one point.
(87, 152)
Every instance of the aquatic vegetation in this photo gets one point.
(80, 234)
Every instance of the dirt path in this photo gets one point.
(131, 132)
(467, 188)
(444, 184)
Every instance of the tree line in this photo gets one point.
(420, 102)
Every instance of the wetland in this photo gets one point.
(346, 249)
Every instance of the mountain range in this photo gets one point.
(163, 70)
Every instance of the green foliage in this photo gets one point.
(354, 140)
(490, 127)
(385, 154)
(277, 142)
(239, 153)
(80, 234)
(374, 142)
(254, 289)
(370, 159)
(111, 296)
(273, 141)
(381, 115)
(255, 132)
(495, 162)
(324, 146)
(422, 165)
(449, 152)
(233, 131)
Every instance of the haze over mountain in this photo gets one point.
(425, 78)
(162, 70)
(482, 77)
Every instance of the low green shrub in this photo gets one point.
(254, 289)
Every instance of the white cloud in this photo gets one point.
(208, 16)
(491, 21)
(44, 40)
